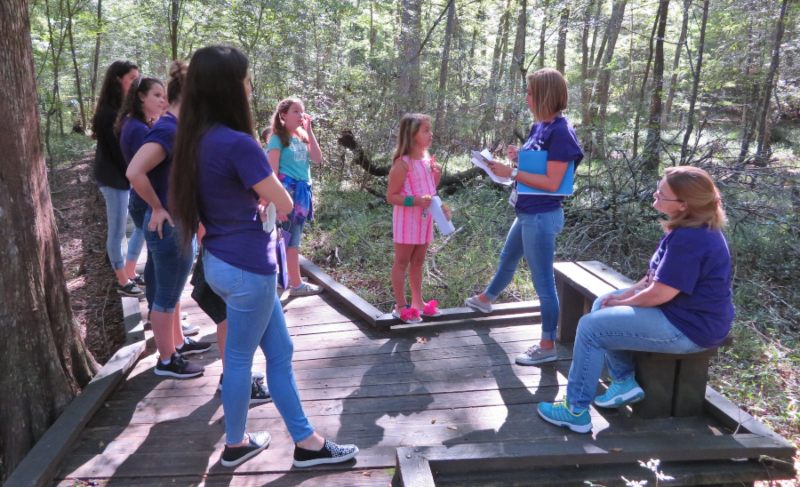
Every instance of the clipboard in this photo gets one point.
(535, 161)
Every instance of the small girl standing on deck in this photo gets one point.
(413, 179)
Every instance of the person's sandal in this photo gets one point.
(408, 315)
(431, 309)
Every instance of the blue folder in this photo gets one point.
(535, 161)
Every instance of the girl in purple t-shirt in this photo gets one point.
(220, 174)
(683, 305)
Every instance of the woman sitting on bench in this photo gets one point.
(683, 305)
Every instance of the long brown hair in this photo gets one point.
(695, 189)
(177, 77)
(111, 91)
(409, 126)
(133, 106)
(279, 127)
(548, 88)
(213, 93)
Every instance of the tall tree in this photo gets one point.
(42, 355)
(496, 74)
(561, 46)
(72, 9)
(409, 46)
(543, 34)
(762, 152)
(175, 14)
(448, 36)
(673, 82)
(652, 145)
(517, 70)
(695, 85)
(96, 56)
(643, 89)
(603, 82)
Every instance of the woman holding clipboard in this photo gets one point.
(536, 198)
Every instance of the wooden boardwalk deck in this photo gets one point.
(380, 389)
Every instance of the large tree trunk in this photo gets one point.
(174, 25)
(586, 87)
(96, 57)
(409, 50)
(695, 85)
(673, 82)
(643, 89)
(653, 143)
(604, 78)
(749, 112)
(71, 9)
(762, 152)
(517, 71)
(42, 356)
(561, 47)
(439, 124)
(497, 69)
(543, 34)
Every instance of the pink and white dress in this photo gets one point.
(409, 226)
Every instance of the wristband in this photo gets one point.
(408, 201)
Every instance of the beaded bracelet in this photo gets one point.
(408, 201)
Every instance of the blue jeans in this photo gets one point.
(137, 207)
(255, 319)
(117, 219)
(611, 334)
(534, 237)
(171, 265)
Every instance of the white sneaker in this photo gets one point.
(189, 329)
(536, 355)
(304, 289)
(475, 303)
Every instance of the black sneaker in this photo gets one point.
(330, 453)
(236, 455)
(191, 347)
(130, 289)
(259, 393)
(178, 367)
(138, 280)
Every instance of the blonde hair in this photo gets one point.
(409, 126)
(695, 189)
(548, 89)
(278, 125)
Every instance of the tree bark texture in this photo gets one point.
(517, 71)
(643, 89)
(439, 123)
(409, 50)
(673, 82)
(96, 57)
(695, 85)
(174, 25)
(604, 77)
(497, 68)
(762, 151)
(543, 33)
(561, 46)
(43, 358)
(71, 10)
(652, 145)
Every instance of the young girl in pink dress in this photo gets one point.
(412, 184)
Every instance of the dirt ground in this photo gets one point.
(81, 218)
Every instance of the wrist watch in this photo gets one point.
(514, 173)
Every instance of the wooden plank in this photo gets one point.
(691, 378)
(356, 303)
(657, 378)
(469, 323)
(607, 274)
(413, 469)
(577, 289)
(455, 314)
(736, 419)
(582, 450)
(41, 463)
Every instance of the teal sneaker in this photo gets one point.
(559, 414)
(620, 393)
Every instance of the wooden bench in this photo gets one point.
(674, 385)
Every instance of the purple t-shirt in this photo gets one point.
(230, 163)
(696, 262)
(558, 138)
(163, 134)
(131, 138)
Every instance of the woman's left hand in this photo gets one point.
(157, 220)
(500, 169)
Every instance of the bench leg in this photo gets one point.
(572, 305)
(691, 377)
(657, 378)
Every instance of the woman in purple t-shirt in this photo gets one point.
(219, 174)
(683, 305)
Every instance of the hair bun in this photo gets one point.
(177, 70)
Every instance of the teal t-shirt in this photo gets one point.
(294, 160)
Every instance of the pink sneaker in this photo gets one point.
(407, 315)
(431, 308)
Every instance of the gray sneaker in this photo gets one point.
(304, 289)
(475, 303)
(536, 355)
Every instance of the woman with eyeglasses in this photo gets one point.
(683, 305)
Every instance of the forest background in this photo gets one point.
(653, 83)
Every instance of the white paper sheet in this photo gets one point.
(444, 225)
(480, 159)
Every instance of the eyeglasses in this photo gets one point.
(660, 196)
